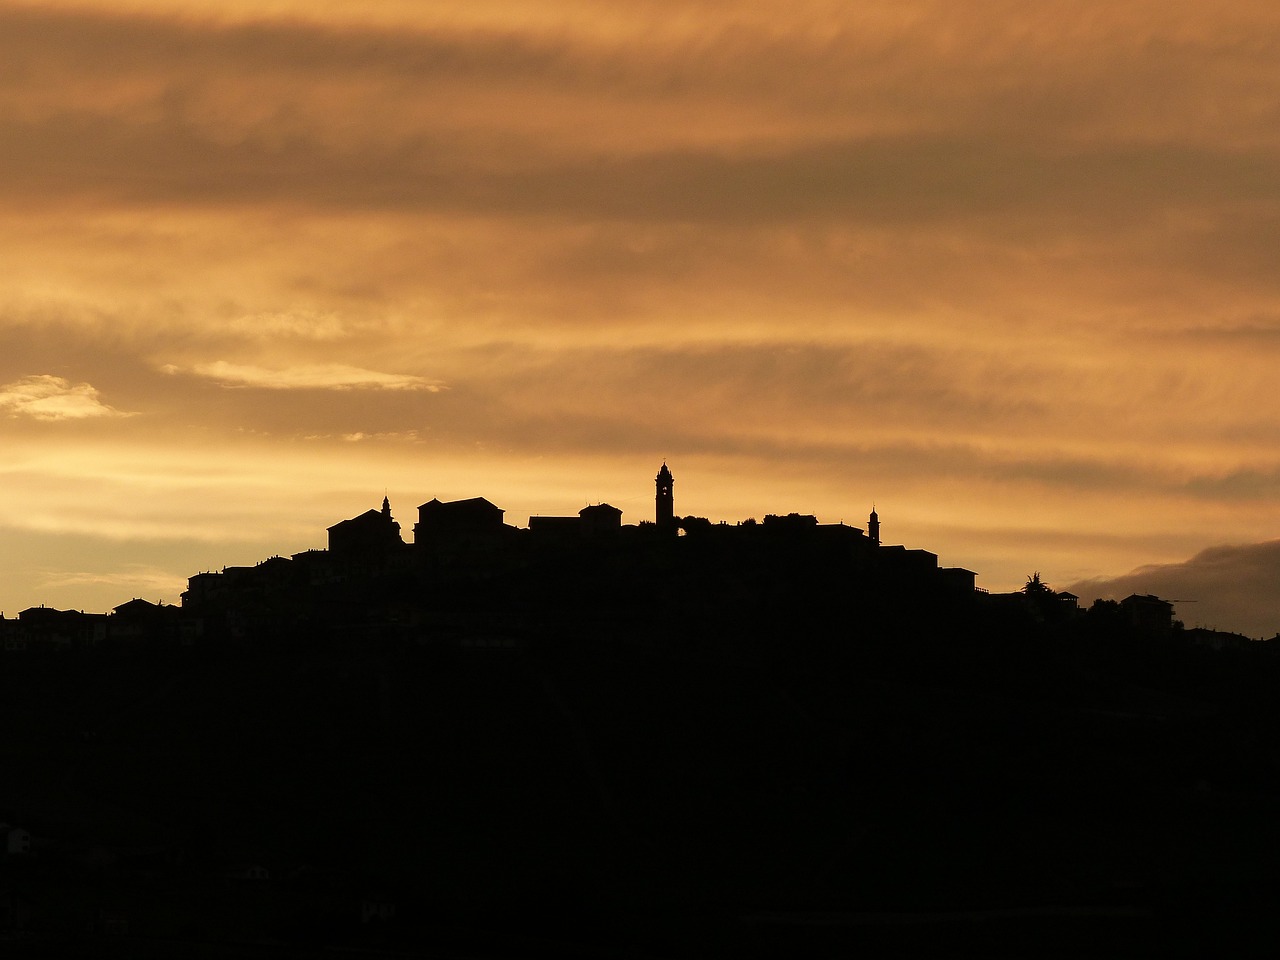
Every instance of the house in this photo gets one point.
(373, 532)
(1148, 614)
(601, 519)
(50, 629)
(137, 622)
(559, 529)
(957, 583)
(446, 520)
(598, 520)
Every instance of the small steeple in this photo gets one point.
(386, 506)
(873, 526)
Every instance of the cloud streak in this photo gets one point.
(50, 398)
(327, 376)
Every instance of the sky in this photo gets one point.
(1005, 270)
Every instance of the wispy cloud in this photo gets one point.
(135, 577)
(46, 397)
(298, 324)
(320, 376)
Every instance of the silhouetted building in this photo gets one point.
(565, 529)
(599, 520)
(204, 590)
(957, 582)
(44, 628)
(456, 518)
(873, 527)
(665, 511)
(138, 622)
(1148, 614)
(372, 532)
(472, 576)
(899, 560)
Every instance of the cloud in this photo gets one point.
(1235, 587)
(47, 397)
(320, 376)
(298, 324)
(727, 119)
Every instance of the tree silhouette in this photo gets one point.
(1035, 587)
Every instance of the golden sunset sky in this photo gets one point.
(1006, 269)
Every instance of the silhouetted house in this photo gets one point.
(555, 529)
(1148, 614)
(600, 520)
(274, 575)
(897, 561)
(139, 622)
(455, 519)
(204, 607)
(266, 581)
(12, 639)
(317, 568)
(374, 532)
(957, 583)
(44, 628)
(204, 590)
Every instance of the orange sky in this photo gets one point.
(1005, 269)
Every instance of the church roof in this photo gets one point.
(470, 503)
(369, 516)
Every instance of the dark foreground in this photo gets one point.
(712, 786)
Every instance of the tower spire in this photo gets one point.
(664, 512)
(873, 526)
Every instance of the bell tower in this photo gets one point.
(873, 526)
(665, 513)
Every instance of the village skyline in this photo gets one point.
(376, 530)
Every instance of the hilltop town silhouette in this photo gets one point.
(466, 572)
(677, 738)
(469, 577)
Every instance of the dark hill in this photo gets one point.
(700, 780)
